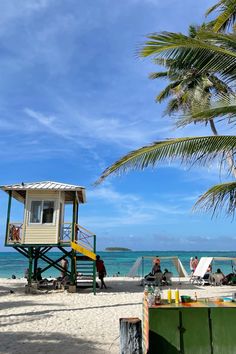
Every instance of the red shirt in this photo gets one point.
(100, 266)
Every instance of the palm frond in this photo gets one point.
(226, 18)
(225, 108)
(201, 54)
(167, 91)
(158, 75)
(223, 40)
(214, 7)
(227, 14)
(190, 150)
(219, 85)
(217, 199)
(173, 107)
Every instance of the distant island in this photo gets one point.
(117, 249)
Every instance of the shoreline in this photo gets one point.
(81, 322)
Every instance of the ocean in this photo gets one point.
(117, 263)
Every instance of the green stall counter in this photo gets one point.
(193, 328)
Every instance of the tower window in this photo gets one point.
(42, 212)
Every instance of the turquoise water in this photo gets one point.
(15, 263)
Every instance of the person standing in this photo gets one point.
(191, 263)
(101, 269)
(195, 263)
(64, 265)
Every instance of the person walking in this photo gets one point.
(101, 269)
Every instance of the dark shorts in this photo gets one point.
(101, 275)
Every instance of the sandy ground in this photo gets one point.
(59, 322)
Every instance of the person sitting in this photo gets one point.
(217, 278)
(155, 270)
(166, 278)
(39, 279)
(208, 273)
(219, 272)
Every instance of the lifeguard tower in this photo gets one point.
(43, 228)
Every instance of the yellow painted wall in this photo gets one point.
(41, 233)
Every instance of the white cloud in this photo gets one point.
(14, 10)
(87, 131)
(110, 195)
(130, 209)
(43, 119)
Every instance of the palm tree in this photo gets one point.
(189, 87)
(227, 15)
(190, 150)
(187, 84)
(208, 53)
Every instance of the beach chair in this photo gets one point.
(199, 275)
(158, 279)
(166, 280)
(155, 280)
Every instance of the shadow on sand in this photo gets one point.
(30, 342)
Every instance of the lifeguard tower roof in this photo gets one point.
(19, 190)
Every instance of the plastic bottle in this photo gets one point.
(157, 296)
(169, 299)
(146, 291)
(195, 295)
(177, 296)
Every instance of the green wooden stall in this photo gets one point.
(194, 328)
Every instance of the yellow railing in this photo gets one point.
(82, 236)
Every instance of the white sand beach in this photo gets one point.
(59, 322)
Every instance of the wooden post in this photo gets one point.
(73, 252)
(30, 265)
(73, 220)
(94, 266)
(130, 336)
(8, 217)
(36, 257)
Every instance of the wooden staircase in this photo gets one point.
(85, 257)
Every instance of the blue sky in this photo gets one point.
(74, 97)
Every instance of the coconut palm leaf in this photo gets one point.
(188, 89)
(201, 54)
(225, 108)
(190, 150)
(217, 199)
(227, 16)
(214, 7)
(173, 107)
(219, 85)
(220, 109)
(158, 75)
(223, 40)
(167, 91)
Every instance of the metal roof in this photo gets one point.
(45, 185)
